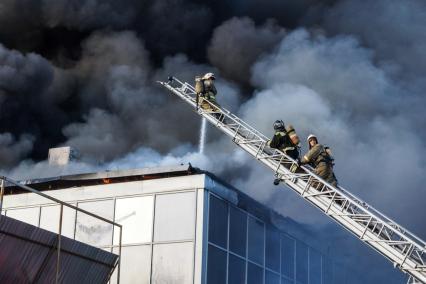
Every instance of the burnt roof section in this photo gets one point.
(105, 177)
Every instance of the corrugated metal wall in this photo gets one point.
(28, 255)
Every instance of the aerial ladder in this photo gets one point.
(405, 250)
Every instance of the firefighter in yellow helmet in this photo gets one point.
(206, 90)
(319, 158)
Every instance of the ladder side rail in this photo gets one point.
(384, 217)
(338, 216)
(384, 247)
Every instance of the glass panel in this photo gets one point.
(287, 256)
(272, 278)
(272, 249)
(135, 214)
(327, 270)
(256, 240)
(50, 220)
(27, 215)
(216, 266)
(301, 263)
(218, 222)
(339, 274)
(237, 231)
(315, 271)
(91, 230)
(236, 270)
(173, 263)
(286, 281)
(174, 216)
(135, 265)
(254, 274)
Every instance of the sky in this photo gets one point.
(83, 73)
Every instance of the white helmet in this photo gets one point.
(208, 76)
(311, 136)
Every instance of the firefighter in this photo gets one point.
(321, 159)
(205, 89)
(285, 139)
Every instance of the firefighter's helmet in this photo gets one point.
(311, 136)
(208, 76)
(279, 125)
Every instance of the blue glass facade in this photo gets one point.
(243, 248)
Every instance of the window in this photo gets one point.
(174, 216)
(254, 274)
(255, 240)
(287, 256)
(135, 214)
(135, 265)
(236, 270)
(216, 266)
(237, 231)
(91, 230)
(286, 281)
(49, 220)
(315, 271)
(272, 249)
(301, 263)
(218, 222)
(339, 273)
(173, 263)
(27, 215)
(327, 270)
(272, 278)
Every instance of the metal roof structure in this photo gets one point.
(28, 254)
(102, 177)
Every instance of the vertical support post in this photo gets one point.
(59, 243)
(119, 255)
(1, 195)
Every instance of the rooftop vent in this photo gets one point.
(61, 156)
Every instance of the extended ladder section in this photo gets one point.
(402, 248)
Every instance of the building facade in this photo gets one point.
(180, 225)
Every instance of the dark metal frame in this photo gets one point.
(4, 179)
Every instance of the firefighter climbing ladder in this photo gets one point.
(402, 248)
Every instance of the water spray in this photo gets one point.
(203, 131)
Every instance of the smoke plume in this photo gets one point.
(241, 43)
(83, 74)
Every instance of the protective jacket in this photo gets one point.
(282, 141)
(318, 158)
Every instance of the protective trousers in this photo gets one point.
(325, 171)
